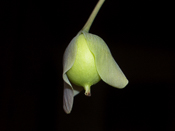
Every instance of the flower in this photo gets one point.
(86, 61)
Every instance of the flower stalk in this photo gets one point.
(94, 13)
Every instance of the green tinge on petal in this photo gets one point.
(68, 61)
(69, 58)
(107, 68)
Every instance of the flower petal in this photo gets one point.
(69, 58)
(68, 61)
(107, 68)
(68, 98)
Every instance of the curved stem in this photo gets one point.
(92, 16)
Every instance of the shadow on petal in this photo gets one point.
(77, 89)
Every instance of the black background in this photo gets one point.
(34, 35)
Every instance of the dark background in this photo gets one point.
(33, 37)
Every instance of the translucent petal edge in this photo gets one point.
(68, 98)
(68, 60)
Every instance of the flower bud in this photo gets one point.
(87, 60)
(83, 72)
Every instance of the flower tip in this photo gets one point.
(87, 90)
(87, 93)
(124, 84)
(66, 110)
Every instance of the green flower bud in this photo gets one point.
(86, 61)
(83, 72)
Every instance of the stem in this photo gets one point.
(92, 16)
